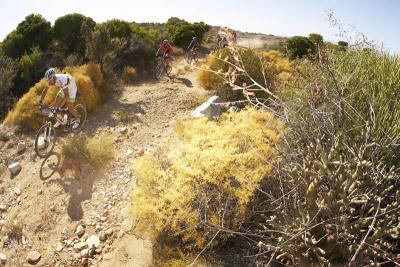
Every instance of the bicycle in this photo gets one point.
(191, 55)
(46, 137)
(162, 68)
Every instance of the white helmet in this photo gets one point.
(50, 73)
(165, 41)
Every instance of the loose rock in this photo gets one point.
(93, 242)
(15, 168)
(80, 246)
(80, 230)
(59, 247)
(17, 191)
(33, 257)
(21, 147)
(3, 259)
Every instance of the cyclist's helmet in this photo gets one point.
(165, 41)
(50, 73)
(194, 38)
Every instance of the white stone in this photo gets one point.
(93, 242)
(80, 230)
(59, 247)
(17, 191)
(3, 259)
(129, 152)
(33, 257)
(209, 109)
(15, 168)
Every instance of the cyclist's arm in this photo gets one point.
(158, 51)
(44, 92)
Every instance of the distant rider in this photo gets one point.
(194, 44)
(65, 96)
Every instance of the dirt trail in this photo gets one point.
(46, 213)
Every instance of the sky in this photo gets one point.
(377, 19)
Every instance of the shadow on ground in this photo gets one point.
(79, 189)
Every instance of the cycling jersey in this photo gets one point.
(167, 49)
(63, 81)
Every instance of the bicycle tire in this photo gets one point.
(48, 127)
(80, 108)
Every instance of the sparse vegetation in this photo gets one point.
(76, 151)
(129, 75)
(123, 116)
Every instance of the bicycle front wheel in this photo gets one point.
(168, 69)
(189, 58)
(159, 70)
(45, 140)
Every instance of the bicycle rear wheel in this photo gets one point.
(45, 140)
(83, 116)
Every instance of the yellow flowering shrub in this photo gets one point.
(88, 80)
(204, 178)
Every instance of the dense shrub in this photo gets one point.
(316, 38)
(298, 46)
(339, 168)
(33, 31)
(29, 72)
(273, 64)
(99, 46)
(67, 32)
(203, 180)
(118, 28)
(8, 68)
(135, 52)
(181, 32)
(89, 82)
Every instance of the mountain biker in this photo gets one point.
(193, 47)
(194, 44)
(167, 50)
(65, 96)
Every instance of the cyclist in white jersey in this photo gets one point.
(65, 96)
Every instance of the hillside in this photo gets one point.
(43, 214)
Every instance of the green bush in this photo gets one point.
(181, 32)
(33, 31)
(316, 38)
(67, 32)
(118, 28)
(8, 70)
(253, 63)
(298, 47)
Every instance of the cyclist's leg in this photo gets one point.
(60, 99)
(166, 59)
(72, 89)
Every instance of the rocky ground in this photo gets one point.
(82, 220)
